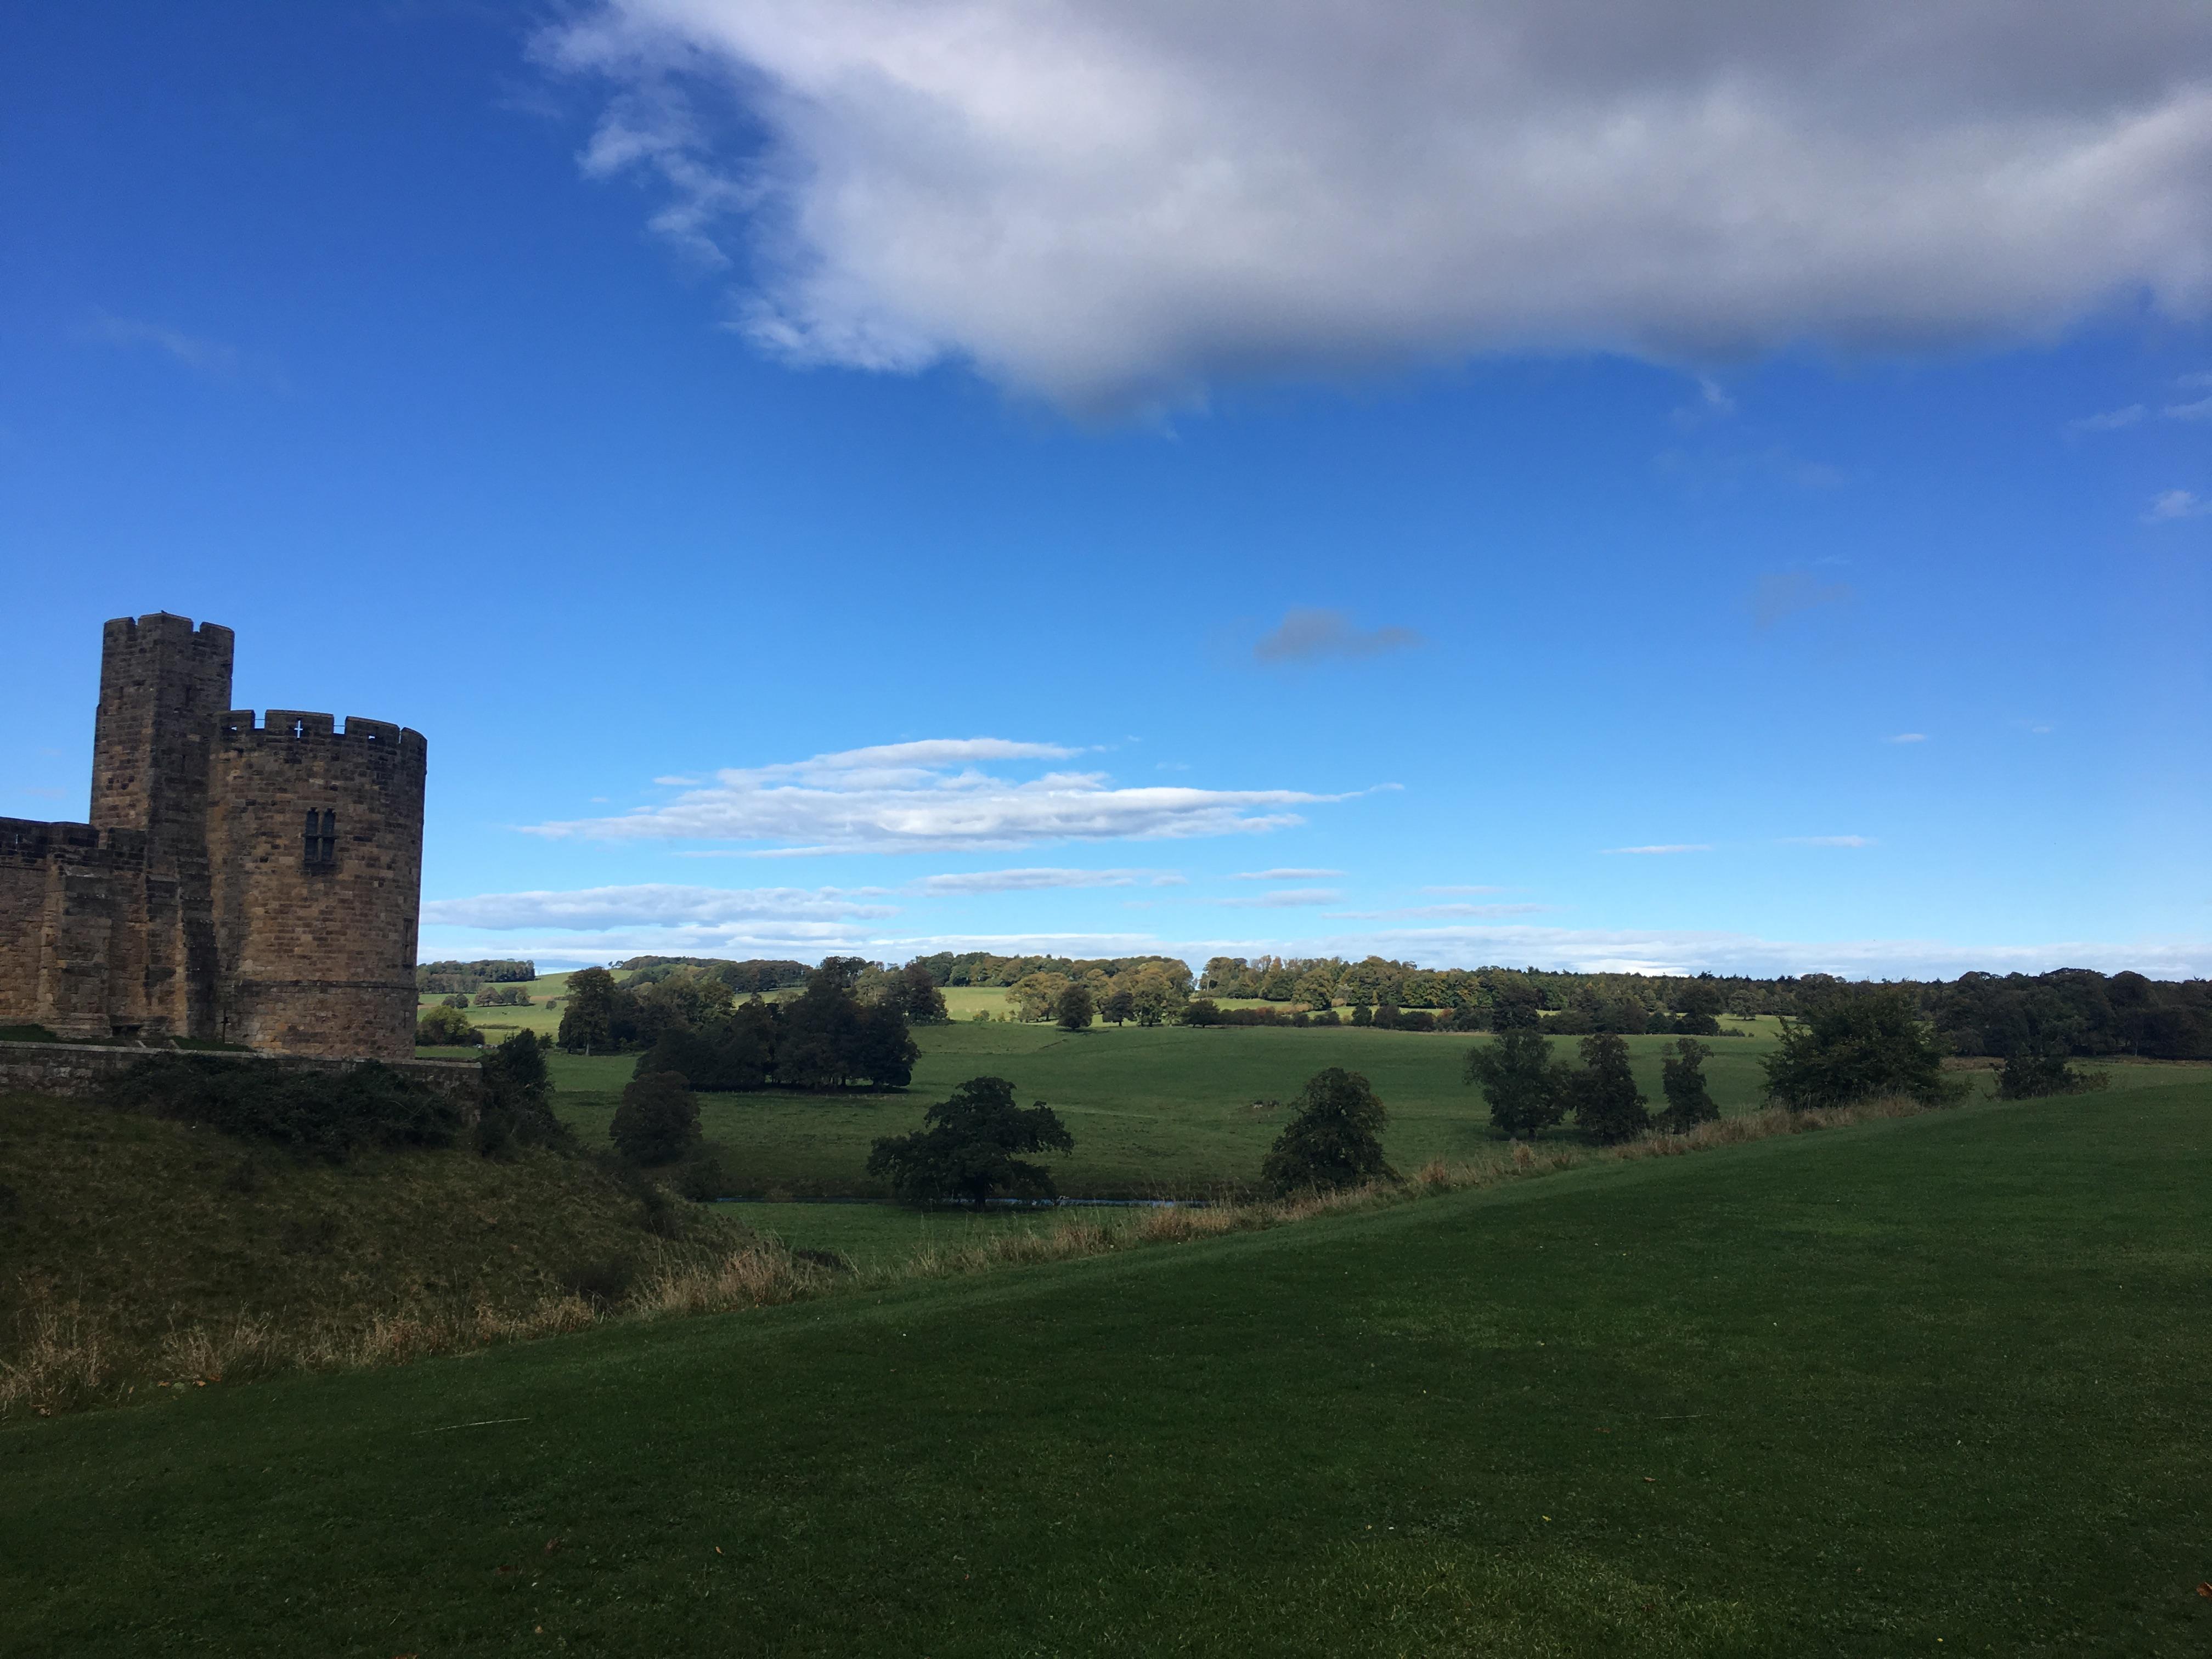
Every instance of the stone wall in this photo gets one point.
(77, 1071)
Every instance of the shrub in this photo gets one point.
(701, 1179)
(447, 1027)
(1205, 1010)
(658, 1121)
(1859, 1044)
(2030, 1076)
(313, 1114)
(517, 1098)
(1334, 1141)
(965, 1151)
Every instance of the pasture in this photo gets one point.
(1927, 1385)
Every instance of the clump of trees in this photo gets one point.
(970, 1148)
(826, 1037)
(658, 1120)
(1689, 1102)
(1333, 1140)
(517, 1107)
(440, 978)
(502, 996)
(1147, 991)
(1529, 1092)
(1860, 1045)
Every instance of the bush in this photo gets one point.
(702, 1179)
(518, 1099)
(1336, 1139)
(1860, 1044)
(447, 1027)
(658, 1121)
(1204, 1010)
(313, 1113)
(2030, 1077)
(965, 1151)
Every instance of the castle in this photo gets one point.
(255, 884)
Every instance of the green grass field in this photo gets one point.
(1929, 1385)
(1165, 1112)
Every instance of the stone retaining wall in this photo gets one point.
(78, 1070)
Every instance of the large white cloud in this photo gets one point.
(1115, 201)
(932, 797)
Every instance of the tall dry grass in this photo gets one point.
(66, 1358)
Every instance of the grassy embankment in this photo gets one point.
(1933, 1380)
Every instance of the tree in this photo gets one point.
(587, 1011)
(1156, 994)
(924, 1003)
(1334, 1141)
(517, 1103)
(1609, 1106)
(966, 1149)
(882, 1049)
(1860, 1043)
(1519, 1081)
(1698, 1006)
(1036, 995)
(447, 1027)
(1076, 1010)
(1682, 1076)
(1119, 1006)
(658, 1121)
(2030, 1076)
(1202, 1011)
(1513, 1005)
(1316, 991)
(815, 1050)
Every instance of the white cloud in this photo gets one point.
(1114, 204)
(2199, 410)
(1439, 912)
(1033, 881)
(653, 903)
(1285, 898)
(1907, 737)
(1462, 890)
(1313, 635)
(208, 356)
(1827, 841)
(2112, 420)
(1674, 846)
(1284, 875)
(2176, 504)
(933, 797)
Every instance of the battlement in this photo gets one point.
(163, 628)
(242, 726)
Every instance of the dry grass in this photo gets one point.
(68, 1358)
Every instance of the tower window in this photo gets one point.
(320, 841)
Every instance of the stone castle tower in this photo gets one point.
(253, 883)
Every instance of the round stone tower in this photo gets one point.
(315, 840)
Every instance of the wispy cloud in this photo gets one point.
(1675, 847)
(1284, 875)
(1826, 840)
(2199, 410)
(1039, 880)
(593, 909)
(211, 358)
(1462, 890)
(935, 796)
(1441, 912)
(1285, 898)
(1907, 737)
(2176, 504)
(1314, 635)
(2111, 420)
(1784, 593)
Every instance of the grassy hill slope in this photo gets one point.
(1932, 1379)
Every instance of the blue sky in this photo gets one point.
(964, 476)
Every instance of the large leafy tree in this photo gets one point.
(517, 1097)
(658, 1120)
(1518, 1079)
(969, 1148)
(1859, 1044)
(1076, 1010)
(1609, 1106)
(1334, 1141)
(588, 1010)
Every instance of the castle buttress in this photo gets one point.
(253, 883)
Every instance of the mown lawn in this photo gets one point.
(1930, 1385)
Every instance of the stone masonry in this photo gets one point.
(251, 881)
